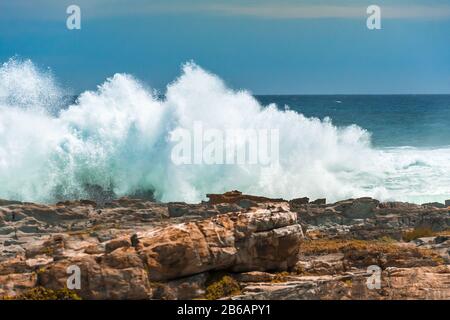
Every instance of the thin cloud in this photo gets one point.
(291, 11)
(326, 11)
(412, 12)
(91, 9)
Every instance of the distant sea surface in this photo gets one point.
(421, 121)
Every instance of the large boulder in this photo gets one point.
(133, 265)
(118, 275)
(361, 208)
(260, 239)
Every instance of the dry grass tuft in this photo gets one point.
(417, 233)
(225, 286)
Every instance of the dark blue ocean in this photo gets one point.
(393, 120)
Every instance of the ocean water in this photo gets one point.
(119, 137)
(419, 121)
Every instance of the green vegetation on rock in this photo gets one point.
(223, 287)
(41, 293)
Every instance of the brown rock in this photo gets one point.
(262, 239)
(181, 289)
(255, 276)
(13, 283)
(237, 196)
(120, 276)
(117, 243)
(321, 201)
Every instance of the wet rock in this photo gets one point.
(236, 196)
(228, 207)
(177, 209)
(8, 202)
(361, 208)
(247, 204)
(319, 202)
(114, 244)
(299, 201)
(434, 205)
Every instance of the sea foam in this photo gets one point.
(118, 138)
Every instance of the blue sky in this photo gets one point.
(265, 46)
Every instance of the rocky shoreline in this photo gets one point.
(235, 246)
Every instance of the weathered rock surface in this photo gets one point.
(236, 197)
(261, 239)
(122, 251)
(431, 283)
(274, 249)
(367, 218)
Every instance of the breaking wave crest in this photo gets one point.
(118, 138)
